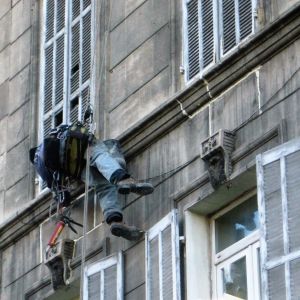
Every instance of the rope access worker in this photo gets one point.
(53, 160)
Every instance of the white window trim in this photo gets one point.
(235, 251)
(156, 230)
(278, 153)
(100, 266)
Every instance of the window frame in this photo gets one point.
(64, 105)
(218, 51)
(246, 247)
(105, 263)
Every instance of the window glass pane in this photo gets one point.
(234, 278)
(236, 224)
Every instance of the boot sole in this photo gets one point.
(140, 189)
(131, 234)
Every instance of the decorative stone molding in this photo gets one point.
(216, 151)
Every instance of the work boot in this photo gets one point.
(130, 233)
(128, 185)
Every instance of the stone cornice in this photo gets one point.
(256, 51)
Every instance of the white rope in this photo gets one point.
(85, 216)
(88, 156)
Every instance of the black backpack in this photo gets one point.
(62, 151)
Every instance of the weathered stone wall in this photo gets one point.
(142, 74)
(17, 22)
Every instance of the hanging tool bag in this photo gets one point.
(73, 142)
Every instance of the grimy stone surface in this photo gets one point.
(4, 99)
(19, 89)
(141, 103)
(18, 126)
(16, 197)
(137, 28)
(17, 164)
(5, 25)
(140, 67)
(4, 7)
(121, 9)
(20, 19)
(20, 53)
(3, 135)
(4, 64)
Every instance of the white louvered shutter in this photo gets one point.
(192, 28)
(54, 75)
(104, 280)
(162, 260)
(278, 181)
(207, 52)
(237, 22)
(80, 58)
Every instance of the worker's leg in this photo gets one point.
(108, 158)
(111, 205)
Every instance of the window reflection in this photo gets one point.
(236, 224)
(235, 280)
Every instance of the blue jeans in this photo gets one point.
(106, 157)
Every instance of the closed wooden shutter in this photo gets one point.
(193, 38)
(162, 260)
(278, 181)
(207, 54)
(54, 64)
(104, 280)
(80, 54)
(237, 22)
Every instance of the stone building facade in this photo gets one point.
(204, 98)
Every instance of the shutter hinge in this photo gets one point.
(181, 70)
(182, 239)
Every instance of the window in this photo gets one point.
(104, 279)
(212, 28)
(162, 259)
(278, 183)
(236, 264)
(66, 62)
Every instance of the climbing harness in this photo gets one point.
(74, 143)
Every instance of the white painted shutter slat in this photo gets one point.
(207, 30)
(75, 57)
(103, 280)
(245, 17)
(85, 99)
(60, 15)
(50, 15)
(75, 9)
(162, 260)
(273, 204)
(228, 25)
(293, 184)
(193, 38)
(154, 268)
(295, 278)
(48, 82)
(167, 268)
(110, 283)
(276, 281)
(94, 286)
(60, 73)
(278, 172)
(86, 3)
(86, 48)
